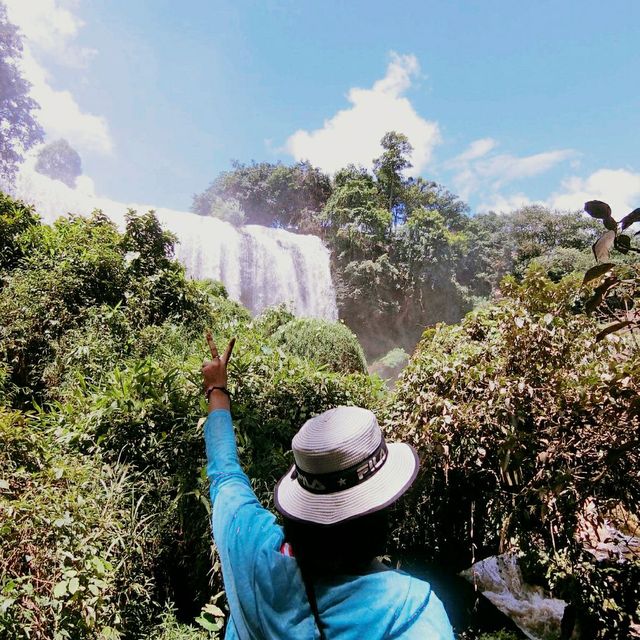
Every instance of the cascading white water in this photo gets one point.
(259, 266)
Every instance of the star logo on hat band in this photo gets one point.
(342, 482)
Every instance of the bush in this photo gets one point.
(521, 420)
(272, 318)
(16, 218)
(327, 343)
(74, 557)
(142, 409)
(82, 263)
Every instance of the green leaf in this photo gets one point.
(74, 584)
(60, 589)
(207, 624)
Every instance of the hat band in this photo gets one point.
(321, 483)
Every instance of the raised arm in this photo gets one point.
(242, 528)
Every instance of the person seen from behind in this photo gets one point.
(318, 576)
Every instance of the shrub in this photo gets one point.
(73, 561)
(81, 263)
(327, 343)
(272, 318)
(170, 628)
(522, 419)
(144, 412)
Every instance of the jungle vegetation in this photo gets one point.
(525, 414)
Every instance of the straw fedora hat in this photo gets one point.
(343, 469)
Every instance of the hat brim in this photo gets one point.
(377, 492)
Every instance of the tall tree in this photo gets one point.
(388, 170)
(19, 130)
(60, 161)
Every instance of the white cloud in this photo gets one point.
(506, 168)
(618, 187)
(504, 204)
(481, 173)
(353, 135)
(49, 29)
(476, 149)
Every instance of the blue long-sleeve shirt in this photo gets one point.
(264, 587)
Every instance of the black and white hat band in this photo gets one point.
(323, 483)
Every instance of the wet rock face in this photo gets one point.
(536, 613)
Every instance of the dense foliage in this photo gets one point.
(268, 194)
(528, 428)
(526, 414)
(103, 499)
(19, 130)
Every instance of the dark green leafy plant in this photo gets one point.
(328, 343)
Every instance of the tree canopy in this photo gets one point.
(269, 194)
(60, 161)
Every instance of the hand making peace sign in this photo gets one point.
(214, 373)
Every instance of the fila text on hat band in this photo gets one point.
(323, 483)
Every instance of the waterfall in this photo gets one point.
(259, 266)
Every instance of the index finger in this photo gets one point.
(228, 350)
(212, 345)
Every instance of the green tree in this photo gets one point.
(19, 130)
(397, 244)
(15, 219)
(270, 194)
(388, 170)
(60, 161)
(355, 222)
(507, 243)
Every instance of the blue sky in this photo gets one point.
(505, 102)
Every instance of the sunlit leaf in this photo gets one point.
(213, 610)
(74, 584)
(60, 589)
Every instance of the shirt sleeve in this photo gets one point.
(242, 527)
